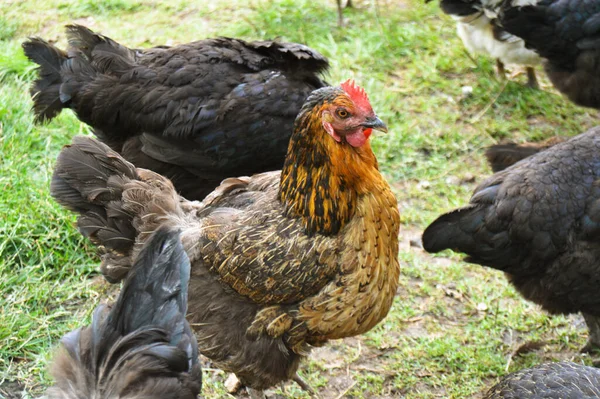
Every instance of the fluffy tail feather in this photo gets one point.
(103, 53)
(501, 156)
(118, 205)
(452, 230)
(142, 347)
(466, 230)
(62, 76)
(45, 90)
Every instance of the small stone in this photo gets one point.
(482, 307)
(416, 242)
(232, 384)
(467, 91)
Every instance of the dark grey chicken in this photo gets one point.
(566, 33)
(196, 113)
(564, 380)
(539, 222)
(143, 347)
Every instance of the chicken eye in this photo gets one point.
(342, 113)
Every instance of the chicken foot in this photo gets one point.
(500, 70)
(532, 78)
(255, 393)
(593, 324)
(305, 386)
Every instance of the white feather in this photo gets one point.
(476, 33)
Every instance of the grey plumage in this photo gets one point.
(142, 346)
(564, 380)
(539, 222)
(566, 33)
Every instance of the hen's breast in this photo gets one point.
(361, 295)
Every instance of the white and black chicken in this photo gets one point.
(478, 26)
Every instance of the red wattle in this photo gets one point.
(358, 138)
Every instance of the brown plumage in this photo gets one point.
(281, 261)
(501, 156)
(196, 113)
(564, 380)
(142, 347)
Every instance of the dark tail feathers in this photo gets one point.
(466, 230)
(62, 74)
(45, 90)
(103, 53)
(453, 230)
(501, 156)
(143, 347)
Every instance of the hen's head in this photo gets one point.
(349, 117)
(329, 162)
(345, 113)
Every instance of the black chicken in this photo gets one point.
(196, 113)
(143, 347)
(539, 222)
(564, 380)
(566, 33)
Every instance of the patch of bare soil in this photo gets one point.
(11, 390)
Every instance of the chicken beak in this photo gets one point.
(375, 123)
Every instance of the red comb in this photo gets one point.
(357, 94)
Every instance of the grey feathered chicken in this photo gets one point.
(564, 380)
(142, 347)
(566, 33)
(281, 261)
(539, 222)
(196, 113)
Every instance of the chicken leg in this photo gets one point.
(500, 69)
(306, 387)
(593, 324)
(532, 78)
(340, 8)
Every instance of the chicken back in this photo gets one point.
(564, 380)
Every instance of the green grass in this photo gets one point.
(453, 325)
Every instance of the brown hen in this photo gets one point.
(281, 261)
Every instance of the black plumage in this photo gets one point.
(196, 113)
(566, 33)
(538, 221)
(564, 380)
(142, 347)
